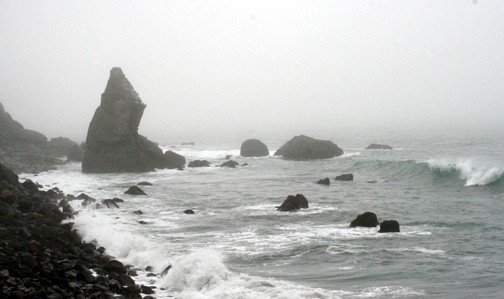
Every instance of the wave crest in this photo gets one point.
(465, 169)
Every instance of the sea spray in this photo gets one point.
(474, 176)
(93, 225)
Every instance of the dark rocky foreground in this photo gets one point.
(42, 258)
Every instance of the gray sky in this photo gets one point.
(235, 66)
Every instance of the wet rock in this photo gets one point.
(115, 266)
(199, 163)
(307, 148)
(110, 204)
(83, 196)
(293, 203)
(325, 181)
(142, 222)
(138, 212)
(228, 157)
(244, 164)
(189, 211)
(174, 160)
(8, 176)
(253, 148)
(367, 219)
(146, 290)
(144, 184)
(389, 226)
(30, 186)
(344, 177)
(230, 164)
(134, 190)
(165, 271)
(378, 146)
(113, 143)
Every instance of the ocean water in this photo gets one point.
(446, 191)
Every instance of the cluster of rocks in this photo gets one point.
(343, 177)
(26, 150)
(42, 258)
(369, 219)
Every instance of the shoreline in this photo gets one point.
(41, 257)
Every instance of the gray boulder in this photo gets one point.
(253, 148)
(174, 160)
(378, 146)
(344, 177)
(113, 143)
(307, 148)
(199, 163)
(325, 181)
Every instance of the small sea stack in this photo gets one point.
(253, 148)
(293, 203)
(367, 219)
(134, 190)
(389, 226)
(113, 143)
(308, 148)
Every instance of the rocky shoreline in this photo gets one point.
(41, 257)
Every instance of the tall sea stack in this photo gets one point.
(113, 143)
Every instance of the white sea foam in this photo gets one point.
(131, 248)
(474, 175)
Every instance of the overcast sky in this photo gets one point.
(240, 66)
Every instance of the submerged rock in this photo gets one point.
(292, 203)
(199, 163)
(325, 181)
(253, 148)
(134, 190)
(144, 184)
(189, 212)
(368, 219)
(307, 148)
(389, 226)
(230, 164)
(113, 143)
(344, 177)
(378, 146)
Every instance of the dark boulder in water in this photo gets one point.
(134, 190)
(144, 184)
(189, 212)
(325, 181)
(115, 266)
(253, 148)
(138, 212)
(389, 226)
(110, 203)
(368, 219)
(378, 146)
(174, 160)
(307, 148)
(344, 177)
(199, 163)
(113, 143)
(230, 164)
(293, 203)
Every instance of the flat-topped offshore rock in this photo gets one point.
(113, 143)
(378, 146)
(307, 148)
(253, 148)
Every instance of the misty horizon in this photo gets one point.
(237, 68)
